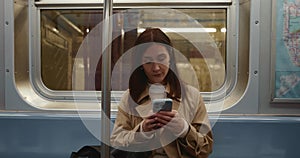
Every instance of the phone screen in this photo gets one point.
(162, 105)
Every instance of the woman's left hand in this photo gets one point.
(172, 121)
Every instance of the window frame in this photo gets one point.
(87, 96)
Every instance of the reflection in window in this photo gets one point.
(63, 31)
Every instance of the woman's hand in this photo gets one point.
(164, 117)
(171, 121)
(149, 123)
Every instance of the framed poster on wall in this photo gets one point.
(286, 50)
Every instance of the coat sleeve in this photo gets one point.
(123, 132)
(198, 142)
(126, 131)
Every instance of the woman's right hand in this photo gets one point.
(149, 124)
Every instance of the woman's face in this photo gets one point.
(156, 61)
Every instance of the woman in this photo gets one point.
(183, 132)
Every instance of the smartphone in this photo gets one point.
(162, 105)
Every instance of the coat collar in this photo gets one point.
(144, 103)
(145, 93)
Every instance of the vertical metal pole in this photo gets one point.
(106, 76)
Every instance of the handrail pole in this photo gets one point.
(106, 78)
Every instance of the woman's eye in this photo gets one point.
(161, 58)
(147, 62)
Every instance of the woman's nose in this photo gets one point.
(155, 66)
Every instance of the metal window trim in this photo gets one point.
(126, 2)
(64, 96)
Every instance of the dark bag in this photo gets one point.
(95, 152)
(87, 152)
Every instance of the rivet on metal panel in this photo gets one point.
(255, 72)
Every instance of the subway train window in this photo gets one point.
(63, 32)
(63, 62)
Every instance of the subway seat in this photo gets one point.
(45, 135)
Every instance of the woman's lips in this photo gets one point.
(157, 75)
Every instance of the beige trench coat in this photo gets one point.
(197, 143)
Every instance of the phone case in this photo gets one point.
(162, 105)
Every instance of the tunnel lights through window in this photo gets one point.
(184, 30)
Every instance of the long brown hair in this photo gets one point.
(138, 80)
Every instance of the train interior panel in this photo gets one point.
(242, 55)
